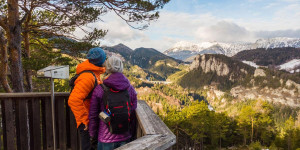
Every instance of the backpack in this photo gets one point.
(73, 79)
(118, 106)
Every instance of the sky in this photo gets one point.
(206, 21)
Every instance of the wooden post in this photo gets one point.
(61, 120)
(35, 123)
(22, 123)
(48, 121)
(8, 122)
(73, 131)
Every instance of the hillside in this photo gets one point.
(215, 69)
(121, 49)
(269, 57)
(147, 57)
(155, 64)
(220, 75)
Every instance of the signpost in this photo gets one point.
(54, 72)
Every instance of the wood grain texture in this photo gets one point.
(73, 132)
(48, 127)
(9, 128)
(35, 123)
(157, 135)
(31, 95)
(22, 124)
(61, 120)
(151, 123)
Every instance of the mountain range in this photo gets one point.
(153, 62)
(224, 74)
(186, 51)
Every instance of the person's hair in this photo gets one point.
(114, 64)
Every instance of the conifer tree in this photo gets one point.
(24, 20)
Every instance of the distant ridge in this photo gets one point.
(184, 50)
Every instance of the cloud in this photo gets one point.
(170, 28)
(173, 27)
(223, 31)
(182, 24)
(278, 33)
(117, 28)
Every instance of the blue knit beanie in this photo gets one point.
(96, 56)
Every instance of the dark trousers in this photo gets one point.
(111, 146)
(84, 138)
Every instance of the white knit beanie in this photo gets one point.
(114, 64)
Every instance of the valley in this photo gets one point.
(215, 86)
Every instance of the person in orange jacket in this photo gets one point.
(84, 84)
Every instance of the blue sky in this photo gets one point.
(208, 20)
(225, 8)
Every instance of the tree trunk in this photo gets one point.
(28, 71)
(252, 129)
(245, 134)
(14, 45)
(220, 142)
(4, 63)
(177, 137)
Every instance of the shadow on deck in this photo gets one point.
(26, 123)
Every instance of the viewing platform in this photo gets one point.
(26, 123)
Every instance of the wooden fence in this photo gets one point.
(26, 123)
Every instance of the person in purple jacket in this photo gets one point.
(97, 128)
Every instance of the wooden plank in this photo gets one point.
(8, 122)
(156, 134)
(153, 142)
(150, 123)
(73, 132)
(48, 124)
(139, 132)
(1, 129)
(34, 123)
(31, 95)
(61, 119)
(43, 111)
(67, 108)
(22, 124)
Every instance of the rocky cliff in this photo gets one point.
(225, 77)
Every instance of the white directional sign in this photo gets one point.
(55, 72)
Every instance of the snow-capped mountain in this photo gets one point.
(277, 42)
(184, 50)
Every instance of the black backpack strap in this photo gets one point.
(104, 97)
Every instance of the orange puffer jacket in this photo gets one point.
(83, 85)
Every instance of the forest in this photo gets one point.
(252, 124)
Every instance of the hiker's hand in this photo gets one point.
(86, 127)
(93, 142)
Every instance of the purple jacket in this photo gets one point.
(116, 81)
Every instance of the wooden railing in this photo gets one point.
(26, 123)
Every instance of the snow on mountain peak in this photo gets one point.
(229, 49)
(184, 45)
